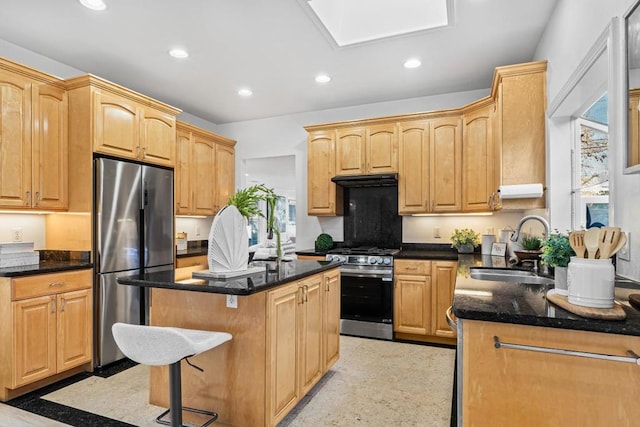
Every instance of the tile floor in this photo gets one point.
(375, 383)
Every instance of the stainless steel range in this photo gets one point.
(367, 291)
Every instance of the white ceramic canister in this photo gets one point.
(591, 282)
(487, 243)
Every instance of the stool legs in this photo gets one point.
(175, 394)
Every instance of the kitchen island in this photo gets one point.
(510, 372)
(285, 323)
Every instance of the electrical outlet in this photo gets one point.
(623, 253)
(16, 234)
(197, 231)
(232, 301)
(436, 232)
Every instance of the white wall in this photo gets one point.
(570, 34)
(285, 135)
(31, 225)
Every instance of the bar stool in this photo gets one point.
(155, 345)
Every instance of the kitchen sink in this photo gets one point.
(514, 276)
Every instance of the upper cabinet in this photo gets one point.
(323, 196)
(205, 171)
(367, 150)
(123, 123)
(447, 161)
(520, 92)
(33, 139)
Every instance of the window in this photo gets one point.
(591, 167)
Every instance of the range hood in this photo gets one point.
(381, 180)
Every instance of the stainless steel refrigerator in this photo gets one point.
(133, 222)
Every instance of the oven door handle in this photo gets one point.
(385, 275)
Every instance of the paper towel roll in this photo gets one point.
(521, 191)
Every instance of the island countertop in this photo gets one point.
(526, 304)
(274, 274)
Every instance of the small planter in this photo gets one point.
(465, 249)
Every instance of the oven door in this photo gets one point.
(366, 297)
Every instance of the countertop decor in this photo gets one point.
(52, 262)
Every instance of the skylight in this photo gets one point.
(357, 21)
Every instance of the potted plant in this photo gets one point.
(557, 252)
(465, 240)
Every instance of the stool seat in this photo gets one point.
(157, 345)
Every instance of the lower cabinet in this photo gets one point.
(302, 339)
(526, 386)
(50, 326)
(423, 290)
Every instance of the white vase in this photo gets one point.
(560, 279)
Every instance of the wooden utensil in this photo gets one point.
(608, 239)
(621, 242)
(591, 241)
(576, 240)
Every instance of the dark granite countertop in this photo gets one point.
(525, 304)
(433, 251)
(194, 248)
(45, 266)
(272, 276)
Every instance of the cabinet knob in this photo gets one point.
(144, 152)
(53, 304)
(28, 198)
(56, 284)
(38, 198)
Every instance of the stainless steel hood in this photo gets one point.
(380, 180)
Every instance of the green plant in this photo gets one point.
(464, 236)
(532, 243)
(324, 242)
(556, 250)
(246, 200)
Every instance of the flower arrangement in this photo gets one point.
(465, 236)
(556, 250)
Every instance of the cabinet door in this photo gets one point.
(225, 175)
(50, 147)
(522, 106)
(477, 160)
(444, 281)
(282, 342)
(331, 309)
(413, 176)
(117, 127)
(15, 141)
(311, 333)
(633, 156)
(34, 343)
(158, 138)
(445, 165)
(203, 176)
(382, 149)
(183, 172)
(350, 151)
(323, 197)
(75, 327)
(412, 304)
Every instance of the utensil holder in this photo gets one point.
(591, 282)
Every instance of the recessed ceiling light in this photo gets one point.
(94, 4)
(245, 92)
(323, 78)
(412, 63)
(178, 53)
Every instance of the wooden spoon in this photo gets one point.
(591, 241)
(576, 240)
(621, 242)
(608, 240)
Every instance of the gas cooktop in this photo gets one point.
(364, 250)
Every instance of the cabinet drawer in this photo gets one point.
(191, 261)
(412, 266)
(48, 284)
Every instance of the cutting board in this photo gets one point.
(614, 313)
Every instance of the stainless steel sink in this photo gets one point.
(514, 276)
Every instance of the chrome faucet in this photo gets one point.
(516, 234)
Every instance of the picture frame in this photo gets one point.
(498, 249)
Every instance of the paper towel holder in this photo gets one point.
(521, 191)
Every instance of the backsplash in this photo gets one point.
(31, 226)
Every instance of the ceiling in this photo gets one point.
(274, 47)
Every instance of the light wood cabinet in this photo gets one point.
(49, 328)
(525, 384)
(324, 198)
(331, 318)
(109, 119)
(33, 139)
(205, 171)
(633, 149)
(367, 150)
(478, 156)
(430, 173)
(520, 137)
(423, 290)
